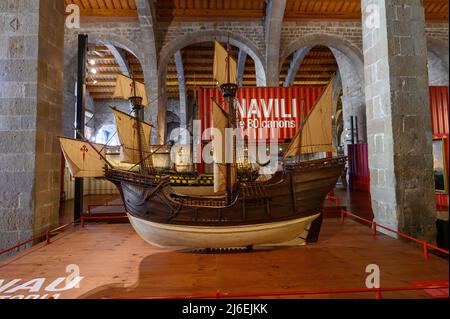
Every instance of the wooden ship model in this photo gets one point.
(233, 212)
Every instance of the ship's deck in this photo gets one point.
(116, 263)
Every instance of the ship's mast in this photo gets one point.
(136, 101)
(229, 93)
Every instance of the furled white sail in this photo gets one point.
(125, 88)
(221, 60)
(316, 134)
(127, 130)
(220, 123)
(82, 159)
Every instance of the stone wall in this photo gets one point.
(123, 35)
(348, 31)
(437, 30)
(344, 37)
(104, 117)
(251, 31)
(31, 77)
(437, 71)
(173, 106)
(438, 55)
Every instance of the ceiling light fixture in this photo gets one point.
(92, 62)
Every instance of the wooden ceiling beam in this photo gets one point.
(208, 14)
(210, 10)
(441, 16)
(120, 13)
(110, 73)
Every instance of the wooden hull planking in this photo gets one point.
(175, 236)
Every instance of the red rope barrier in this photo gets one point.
(22, 244)
(106, 212)
(333, 198)
(219, 295)
(375, 225)
(46, 235)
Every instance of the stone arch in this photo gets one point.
(70, 72)
(111, 39)
(211, 35)
(185, 40)
(438, 61)
(351, 68)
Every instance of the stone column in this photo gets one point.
(353, 100)
(353, 105)
(156, 112)
(182, 89)
(31, 94)
(398, 116)
(242, 59)
(272, 28)
(297, 61)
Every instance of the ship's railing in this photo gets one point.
(324, 162)
(376, 227)
(118, 175)
(378, 293)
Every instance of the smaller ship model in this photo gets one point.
(233, 212)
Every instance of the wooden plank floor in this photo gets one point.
(115, 262)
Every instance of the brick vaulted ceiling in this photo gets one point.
(317, 68)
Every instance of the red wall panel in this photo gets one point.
(358, 155)
(439, 119)
(358, 167)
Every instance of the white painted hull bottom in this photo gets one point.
(164, 235)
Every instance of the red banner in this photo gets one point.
(264, 111)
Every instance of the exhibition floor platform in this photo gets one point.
(112, 261)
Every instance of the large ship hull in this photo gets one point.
(281, 209)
